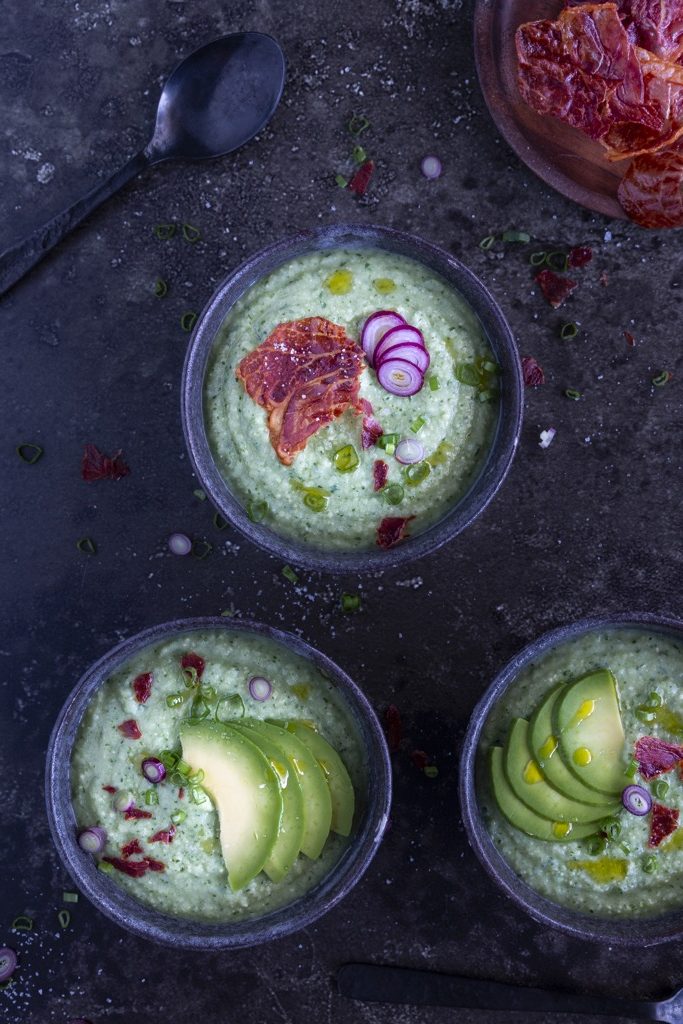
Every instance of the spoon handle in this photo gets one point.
(375, 983)
(18, 260)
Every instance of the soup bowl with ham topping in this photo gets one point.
(213, 784)
(351, 398)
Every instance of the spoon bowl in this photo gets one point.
(218, 98)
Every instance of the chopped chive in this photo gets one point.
(631, 770)
(516, 236)
(660, 789)
(467, 373)
(188, 320)
(174, 700)
(645, 716)
(201, 548)
(649, 864)
(200, 709)
(169, 758)
(29, 452)
(197, 777)
(257, 510)
(219, 522)
(433, 383)
(393, 494)
(388, 443)
(178, 817)
(431, 771)
(151, 797)
(341, 180)
(87, 546)
(417, 424)
(557, 261)
(572, 393)
(612, 828)
(359, 154)
(70, 897)
(358, 124)
(22, 924)
(346, 459)
(316, 501)
(183, 768)
(197, 795)
(595, 845)
(416, 473)
(191, 233)
(229, 708)
(105, 867)
(487, 242)
(199, 493)
(64, 918)
(160, 288)
(568, 331)
(289, 574)
(350, 603)
(164, 231)
(662, 378)
(537, 259)
(190, 676)
(208, 692)
(654, 700)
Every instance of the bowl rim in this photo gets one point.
(186, 933)
(645, 931)
(482, 487)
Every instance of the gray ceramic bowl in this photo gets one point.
(635, 931)
(181, 932)
(493, 324)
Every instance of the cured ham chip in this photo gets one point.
(555, 288)
(656, 25)
(655, 756)
(663, 823)
(305, 374)
(380, 472)
(651, 191)
(391, 530)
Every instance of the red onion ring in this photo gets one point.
(374, 329)
(636, 800)
(180, 544)
(401, 335)
(92, 840)
(153, 769)
(409, 451)
(412, 353)
(431, 167)
(260, 688)
(399, 377)
(123, 801)
(8, 963)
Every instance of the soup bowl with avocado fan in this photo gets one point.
(215, 784)
(570, 781)
(324, 507)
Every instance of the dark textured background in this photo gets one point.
(592, 524)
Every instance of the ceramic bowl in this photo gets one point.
(107, 896)
(494, 326)
(644, 931)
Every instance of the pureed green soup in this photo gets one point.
(610, 862)
(327, 497)
(164, 840)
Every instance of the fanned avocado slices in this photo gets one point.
(336, 775)
(531, 787)
(590, 732)
(522, 817)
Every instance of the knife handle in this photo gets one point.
(376, 983)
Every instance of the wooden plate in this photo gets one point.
(562, 156)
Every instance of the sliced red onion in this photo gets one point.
(123, 801)
(636, 800)
(399, 377)
(374, 329)
(260, 688)
(8, 963)
(431, 167)
(405, 334)
(92, 840)
(409, 451)
(412, 353)
(153, 769)
(180, 544)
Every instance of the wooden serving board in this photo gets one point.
(561, 156)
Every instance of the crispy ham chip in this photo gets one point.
(655, 756)
(305, 374)
(663, 823)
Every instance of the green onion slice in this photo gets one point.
(178, 817)
(433, 383)
(649, 864)
(661, 379)
(219, 522)
(516, 236)
(174, 700)
(416, 473)
(22, 924)
(188, 320)
(467, 373)
(201, 548)
(87, 546)
(151, 797)
(200, 709)
(359, 154)
(257, 510)
(568, 331)
(169, 758)
(572, 394)
(557, 261)
(487, 242)
(350, 603)
(64, 918)
(316, 501)
(346, 459)
(595, 845)
(431, 771)
(105, 867)
(191, 233)
(341, 180)
(393, 494)
(164, 231)
(197, 795)
(70, 897)
(230, 708)
(199, 493)
(631, 770)
(289, 574)
(29, 452)
(417, 424)
(660, 789)
(358, 124)
(160, 288)
(537, 259)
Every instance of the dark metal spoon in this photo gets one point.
(377, 984)
(216, 100)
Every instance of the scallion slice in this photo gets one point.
(219, 522)
(29, 452)
(662, 378)
(358, 124)
(568, 331)
(257, 510)
(393, 494)
(346, 459)
(188, 320)
(191, 233)
(350, 603)
(164, 231)
(487, 242)
(151, 797)
(178, 817)
(87, 546)
(70, 897)
(160, 288)
(537, 259)
(289, 574)
(174, 700)
(230, 708)
(433, 383)
(64, 918)
(516, 236)
(416, 473)
(417, 424)
(22, 924)
(201, 548)
(359, 154)
(572, 394)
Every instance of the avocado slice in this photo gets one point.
(590, 732)
(314, 789)
(532, 788)
(291, 831)
(245, 791)
(521, 816)
(545, 747)
(334, 770)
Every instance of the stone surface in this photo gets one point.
(591, 524)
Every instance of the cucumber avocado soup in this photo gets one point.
(215, 776)
(579, 773)
(332, 494)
